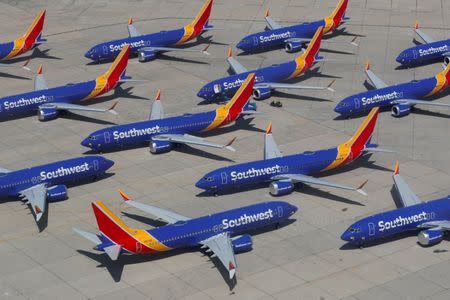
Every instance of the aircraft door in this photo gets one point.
(105, 50)
(415, 54)
(371, 229)
(95, 165)
(107, 137)
(357, 103)
(255, 41)
(280, 211)
(224, 177)
(217, 89)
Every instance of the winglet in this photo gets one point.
(158, 95)
(353, 42)
(231, 269)
(360, 190)
(416, 25)
(124, 196)
(39, 70)
(205, 50)
(269, 128)
(25, 65)
(267, 13)
(228, 145)
(396, 168)
(230, 52)
(329, 86)
(111, 109)
(130, 21)
(367, 66)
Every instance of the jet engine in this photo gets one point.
(146, 55)
(430, 237)
(261, 93)
(57, 193)
(242, 243)
(47, 114)
(293, 47)
(281, 188)
(401, 110)
(157, 147)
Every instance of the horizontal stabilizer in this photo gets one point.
(113, 251)
(88, 235)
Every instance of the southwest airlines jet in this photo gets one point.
(146, 46)
(49, 101)
(430, 49)
(223, 234)
(401, 98)
(46, 183)
(162, 133)
(31, 39)
(283, 172)
(268, 78)
(292, 38)
(432, 218)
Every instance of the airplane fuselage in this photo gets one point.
(190, 233)
(425, 52)
(53, 174)
(384, 97)
(396, 221)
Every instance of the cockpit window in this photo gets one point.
(355, 230)
(208, 179)
(93, 138)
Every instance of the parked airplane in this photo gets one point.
(400, 97)
(432, 218)
(221, 233)
(268, 78)
(147, 46)
(283, 172)
(48, 102)
(428, 50)
(40, 184)
(163, 133)
(31, 39)
(292, 38)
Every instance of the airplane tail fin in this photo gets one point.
(114, 74)
(34, 32)
(311, 53)
(337, 16)
(200, 22)
(357, 143)
(445, 74)
(240, 99)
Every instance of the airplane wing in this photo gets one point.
(162, 214)
(422, 35)
(221, 246)
(438, 225)
(419, 102)
(271, 24)
(270, 146)
(276, 85)
(39, 81)
(70, 106)
(157, 108)
(168, 49)
(234, 64)
(374, 79)
(407, 196)
(36, 196)
(132, 31)
(193, 140)
(312, 180)
(4, 171)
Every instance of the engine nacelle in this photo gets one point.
(250, 106)
(430, 237)
(446, 60)
(242, 243)
(57, 193)
(160, 146)
(47, 114)
(293, 47)
(261, 93)
(146, 55)
(400, 110)
(280, 188)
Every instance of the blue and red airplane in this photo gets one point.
(46, 183)
(48, 102)
(429, 50)
(283, 172)
(162, 134)
(268, 78)
(147, 46)
(292, 38)
(401, 98)
(31, 39)
(223, 234)
(432, 218)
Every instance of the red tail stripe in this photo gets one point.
(32, 35)
(314, 47)
(201, 20)
(238, 105)
(340, 13)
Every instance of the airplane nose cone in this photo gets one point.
(293, 208)
(86, 143)
(346, 236)
(338, 109)
(88, 54)
(200, 184)
(108, 163)
(240, 45)
(399, 59)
